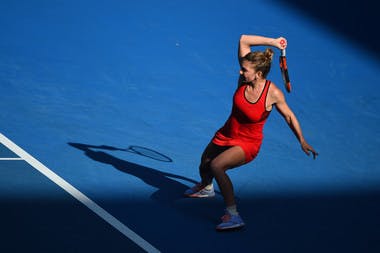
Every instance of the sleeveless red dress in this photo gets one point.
(245, 124)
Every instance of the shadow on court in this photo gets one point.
(346, 222)
(305, 224)
(38, 216)
(57, 225)
(168, 188)
(353, 20)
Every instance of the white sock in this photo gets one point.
(209, 187)
(232, 210)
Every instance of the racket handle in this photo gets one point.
(283, 52)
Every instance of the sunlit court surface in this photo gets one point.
(107, 107)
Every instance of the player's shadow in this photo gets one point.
(169, 189)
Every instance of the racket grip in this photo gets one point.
(283, 52)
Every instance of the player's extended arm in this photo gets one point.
(292, 122)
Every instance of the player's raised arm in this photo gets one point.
(247, 41)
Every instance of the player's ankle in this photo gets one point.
(232, 209)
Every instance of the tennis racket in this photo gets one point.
(284, 69)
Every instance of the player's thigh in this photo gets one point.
(228, 159)
(211, 151)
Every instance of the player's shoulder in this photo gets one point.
(273, 89)
(275, 92)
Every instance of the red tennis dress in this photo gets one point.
(245, 124)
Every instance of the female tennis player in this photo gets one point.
(238, 141)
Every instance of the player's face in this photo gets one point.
(248, 71)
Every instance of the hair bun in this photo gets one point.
(269, 54)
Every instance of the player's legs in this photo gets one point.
(215, 161)
(228, 159)
(205, 188)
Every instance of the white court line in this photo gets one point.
(78, 195)
(11, 159)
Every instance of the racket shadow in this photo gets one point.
(169, 189)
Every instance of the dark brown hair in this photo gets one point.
(260, 60)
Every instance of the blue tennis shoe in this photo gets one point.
(230, 222)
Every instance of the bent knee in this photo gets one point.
(205, 163)
(217, 167)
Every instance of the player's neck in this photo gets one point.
(257, 84)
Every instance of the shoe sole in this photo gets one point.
(231, 228)
(196, 196)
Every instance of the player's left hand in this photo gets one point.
(307, 149)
